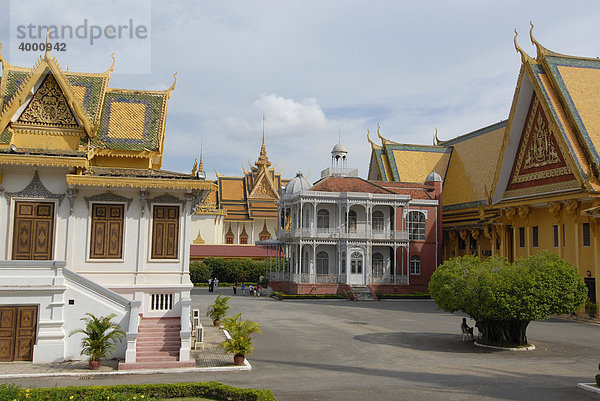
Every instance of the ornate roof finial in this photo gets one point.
(436, 140)
(524, 56)
(369, 139)
(47, 53)
(539, 48)
(172, 87)
(245, 171)
(112, 66)
(4, 62)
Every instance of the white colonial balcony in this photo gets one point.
(360, 232)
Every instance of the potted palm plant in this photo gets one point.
(99, 337)
(239, 341)
(218, 310)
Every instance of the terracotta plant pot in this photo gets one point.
(94, 365)
(238, 360)
(216, 322)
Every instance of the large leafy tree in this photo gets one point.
(504, 297)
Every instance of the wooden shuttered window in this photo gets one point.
(165, 232)
(33, 234)
(106, 240)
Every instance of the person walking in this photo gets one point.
(215, 284)
(210, 285)
(234, 288)
(243, 288)
(258, 290)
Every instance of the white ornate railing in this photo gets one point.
(340, 232)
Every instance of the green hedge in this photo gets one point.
(412, 295)
(227, 270)
(139, 392)
(281, 296)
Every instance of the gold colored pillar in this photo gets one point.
(572, 207)
(524, 215)
(555, 209)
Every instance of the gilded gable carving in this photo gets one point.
(48, 106)
(539, 164)
(264, 189)
(541, 152)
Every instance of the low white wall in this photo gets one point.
(63, 298)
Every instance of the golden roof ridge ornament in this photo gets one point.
(541, 50)
(245, 171)
(437, 141)
(369, 139)
(524, 56)
(112, 66)
(172, 87)
(5, 64)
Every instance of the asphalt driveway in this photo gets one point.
(391, 350)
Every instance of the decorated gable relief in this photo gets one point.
(263, 189)
(539, 165)
(48, 106)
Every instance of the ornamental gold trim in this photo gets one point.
(46, 161)
(134, 182)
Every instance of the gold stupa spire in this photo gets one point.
(263, 160)
(201, 166)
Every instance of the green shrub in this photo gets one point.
(212, 390)
(200, 273)
(227, 270)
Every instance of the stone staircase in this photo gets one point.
(362, 293)
(158, 345)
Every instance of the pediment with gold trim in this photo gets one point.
(48, 107)
(539, 165)
(264, 188)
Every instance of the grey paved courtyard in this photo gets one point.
(390, 350)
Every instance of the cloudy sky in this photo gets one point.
(313, 68)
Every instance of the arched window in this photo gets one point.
(352, 221)
(415, 265)
(416, 225)
(306, 218)
(377, 221)
(377, 264)
(322, 263)
(356, 263)
(323, 218)
(305, 263)
(343, 269)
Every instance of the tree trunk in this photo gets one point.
(503, 332)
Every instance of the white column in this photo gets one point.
(185, 334)
(132, 330)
